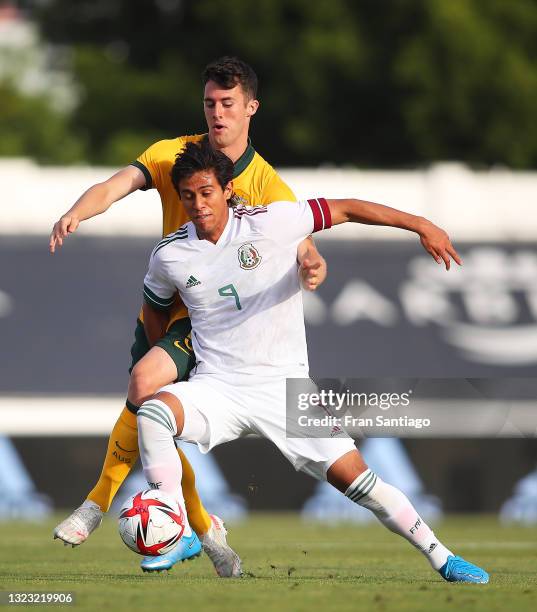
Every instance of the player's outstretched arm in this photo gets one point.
(312, 265)
(433, 239)
(94, 201)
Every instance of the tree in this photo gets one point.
(29, 127)
(393, 83)
(469, 82)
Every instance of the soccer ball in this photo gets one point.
(151, 522)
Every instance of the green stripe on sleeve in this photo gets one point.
(146, 173)
(157, 302)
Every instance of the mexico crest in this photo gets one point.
(237, 199)
(249, 257)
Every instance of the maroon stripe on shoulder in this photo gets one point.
(249, 213)
(326, 213)
(317, 216)
(255, 210)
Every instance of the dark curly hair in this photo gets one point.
(230, 71)
(198, 156)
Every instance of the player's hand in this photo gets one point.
(312, 272)
(62, 228)
(437, 243)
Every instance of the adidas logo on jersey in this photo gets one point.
(192, 282)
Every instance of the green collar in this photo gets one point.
(243, 161)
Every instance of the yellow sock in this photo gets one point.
(121, 455)
(199, 519)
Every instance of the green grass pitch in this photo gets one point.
(289, 566)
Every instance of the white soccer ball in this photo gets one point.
(151, 522)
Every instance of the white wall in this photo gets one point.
(489, 205)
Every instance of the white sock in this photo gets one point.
(87, 503)
(394, 511)
(161, 463)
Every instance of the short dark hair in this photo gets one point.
(229, 72)
(197, 156)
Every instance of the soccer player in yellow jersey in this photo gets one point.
(229, 104)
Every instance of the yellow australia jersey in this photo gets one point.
(255, 183)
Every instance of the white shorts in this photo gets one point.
(232, 411)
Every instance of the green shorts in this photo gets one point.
(176, 343)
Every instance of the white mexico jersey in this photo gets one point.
(242, 293)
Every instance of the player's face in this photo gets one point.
(228, 113)
(206, 203)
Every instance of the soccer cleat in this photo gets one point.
(188, 547)
(76, 528)
(226, 561)
(456, 569)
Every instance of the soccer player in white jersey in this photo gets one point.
(235, 270)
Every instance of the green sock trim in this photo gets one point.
(132, 407)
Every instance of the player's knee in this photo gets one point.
(142, 384)
(344, 471)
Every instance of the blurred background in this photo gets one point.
(426, 106)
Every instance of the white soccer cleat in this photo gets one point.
(226, 561)
(77, 527)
